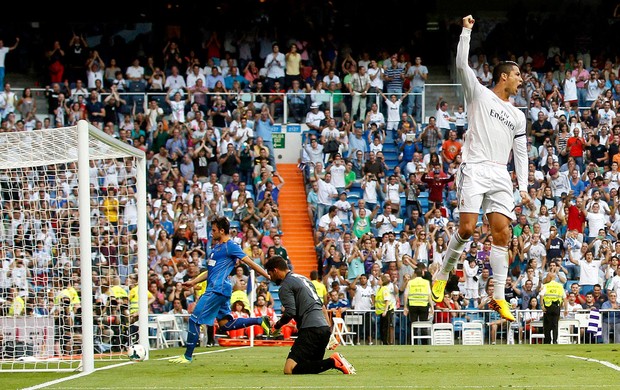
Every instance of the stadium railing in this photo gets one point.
(140, 97)
(365, 327)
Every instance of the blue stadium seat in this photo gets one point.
(277, 306)
(353, 196)
(403, 201)
(356, 192)
(390, 158)
(400, 225)
(389, 148)
(423, 199)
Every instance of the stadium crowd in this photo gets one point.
(205, 126)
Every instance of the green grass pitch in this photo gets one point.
(378, 367)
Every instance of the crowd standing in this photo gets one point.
(205, 126)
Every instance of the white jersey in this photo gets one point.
(362, 300)
(495, 126)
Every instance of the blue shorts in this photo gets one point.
(211, 306)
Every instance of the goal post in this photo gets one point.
(73, 261)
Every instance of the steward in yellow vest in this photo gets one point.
(384, 308)
(418, 302)
(553, 300)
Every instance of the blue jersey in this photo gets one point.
(219, 266)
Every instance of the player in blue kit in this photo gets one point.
(215, 302)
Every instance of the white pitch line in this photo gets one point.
(550, 386)
(208, 352)
(76, 376)
(603, 362)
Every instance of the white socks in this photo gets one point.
(499, 265)
(453, 254)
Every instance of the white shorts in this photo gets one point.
(487, 186)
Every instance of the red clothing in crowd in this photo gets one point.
(436, 185)
(576, 219)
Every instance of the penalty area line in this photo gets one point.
(76, 376)
(603, 362)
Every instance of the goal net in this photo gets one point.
(73, 245)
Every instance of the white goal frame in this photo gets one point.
(82, 144)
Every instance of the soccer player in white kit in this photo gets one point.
(496, 127)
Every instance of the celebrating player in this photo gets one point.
(215, 302)
(301, 302)
(496, 127)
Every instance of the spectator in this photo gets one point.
(296, 98)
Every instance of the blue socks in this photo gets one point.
(193, 334)
(239, 323)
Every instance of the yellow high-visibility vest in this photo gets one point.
(382, 294)
(554, 292)
(419, 291)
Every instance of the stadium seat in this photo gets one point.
(568, 332)
(341, 331)
(356, 192)
(353, 197)
(389, 148)
(569, 283)
(536, 332)
(443, 334)
(423, 199)
(164, 331)
(420, 331)
(472, 333)
(168, 328)
(400, 225)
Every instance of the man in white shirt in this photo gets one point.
(536, 108)
(606, 115)
(314, 117)
(275, 63)
(343, 205)
(194, 75)
(314, 150)
(443, 118)
(559, 183)
(595, 220)
(208, 187)
(497, 130)
(79, 89)
(337, 169)
(389, 251)
(386, 222)
(555, 114)
(331, 216)
(327, 193)
(135, 75)
(596, 199)
(535, 249)
(175, 83)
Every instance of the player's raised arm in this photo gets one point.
(467, 75)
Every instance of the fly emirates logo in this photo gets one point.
(503, 117)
